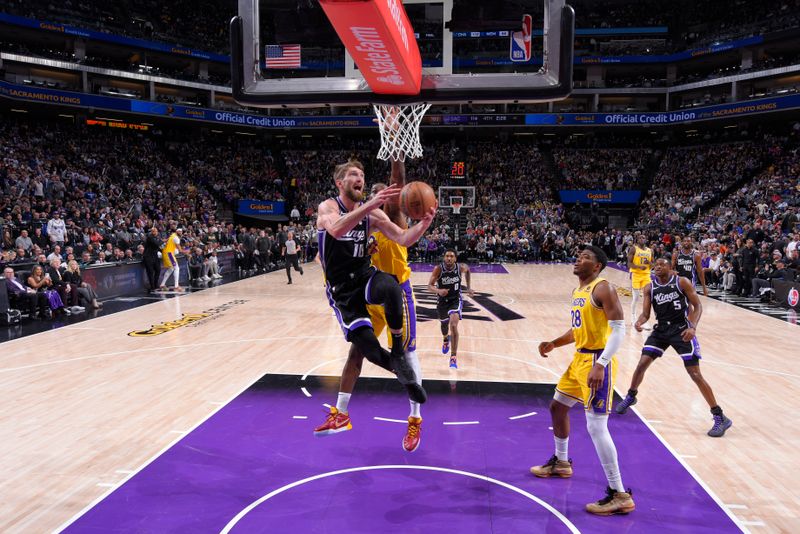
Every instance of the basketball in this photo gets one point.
(416, 199)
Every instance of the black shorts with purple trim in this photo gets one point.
(349, 301)
(445, 307)
(669, 335)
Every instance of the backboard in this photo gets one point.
(254, 85)
(461, 195)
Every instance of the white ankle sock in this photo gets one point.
(415, 409)
(562, 447)
(343, 401)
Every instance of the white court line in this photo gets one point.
(694, 475)
(299, 417)
(320, 365)
(326, 405)
(461, 422)
(232, 523)
(305, 392)
(106, 484)
(737, 506)
(92, 504)
(123, 471)
(513, 417)
(390, 420)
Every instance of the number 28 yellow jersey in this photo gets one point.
(589, 323)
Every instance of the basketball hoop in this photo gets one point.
(399, 127)
(456, 208)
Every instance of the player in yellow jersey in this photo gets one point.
(640, 262)
(391, 258)
(598, 329)
(169, 259)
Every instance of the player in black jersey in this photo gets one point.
(678, 310)
(344, 224)
(446, 283)
(687, 263)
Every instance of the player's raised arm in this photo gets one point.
(392, 207)
(400, 236)
(337, 225)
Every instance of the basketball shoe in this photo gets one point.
(453, 362)
(413, 434)
(406, 376)
(626, 403)
(335, 422)
(615, 502)
(721, 424)
(446, 345)
(553, 468)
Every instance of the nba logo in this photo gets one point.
(793, 297)
(521, 41)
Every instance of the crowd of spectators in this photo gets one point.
(73, 193)
(691, 177)
(601, 168)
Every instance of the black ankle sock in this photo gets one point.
(716, 410)
(633, 392)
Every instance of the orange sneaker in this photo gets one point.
(413, 434)
(335, 422)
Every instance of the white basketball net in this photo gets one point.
(399, 127)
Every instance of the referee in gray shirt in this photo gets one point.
(289, 252)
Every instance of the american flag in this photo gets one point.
(283, 56)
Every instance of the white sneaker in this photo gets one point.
(217, 276)
(205, 278)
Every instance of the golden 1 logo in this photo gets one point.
(186, 320)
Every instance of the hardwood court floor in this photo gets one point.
(86, 405)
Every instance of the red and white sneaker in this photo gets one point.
(413, 434)
(335, 422)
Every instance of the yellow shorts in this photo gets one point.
(574, 382)
(639, 282)
(378, 318)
